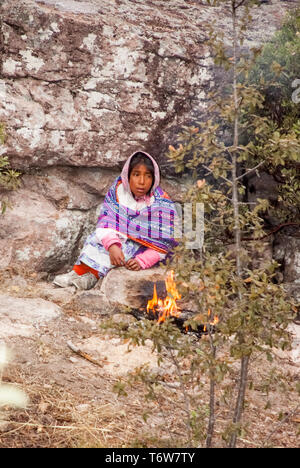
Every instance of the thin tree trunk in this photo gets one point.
(235, 200)
(240, 399)
(185, 396)
(237, 231)
(211, 421)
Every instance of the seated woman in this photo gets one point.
(135, 228)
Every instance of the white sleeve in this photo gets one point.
(101, 232)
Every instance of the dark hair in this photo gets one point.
(141, 158)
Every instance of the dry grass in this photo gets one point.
(56, 418)
(60, 418)
(73, 404)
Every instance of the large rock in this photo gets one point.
(132, 288)
(38, 237)
(85, 83)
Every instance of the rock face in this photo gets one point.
(49, 217)
(34, 236)
(83, 84)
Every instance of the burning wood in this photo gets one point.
(160, 309)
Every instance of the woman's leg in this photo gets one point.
(65, 280)
(75, 277)
(82, 277)
(82, 269)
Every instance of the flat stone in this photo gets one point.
(48, 236)
(123, 318)
(53, 293)
(92, 301)
(22, 317)
(132, 288)
(117, 357)
(292, 355)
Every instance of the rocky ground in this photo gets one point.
(72, 402)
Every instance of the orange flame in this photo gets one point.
(167, 307)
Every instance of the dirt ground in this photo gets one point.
(72, 402)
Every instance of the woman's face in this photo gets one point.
(140, 180)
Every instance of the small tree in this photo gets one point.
(225, 279)
(254, 313)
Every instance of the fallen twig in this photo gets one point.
(86, 356)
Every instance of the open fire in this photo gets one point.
(160, 309)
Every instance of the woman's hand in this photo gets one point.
(116, 255)
(133, 264)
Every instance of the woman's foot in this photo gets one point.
(66, 279)
(84, 282)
